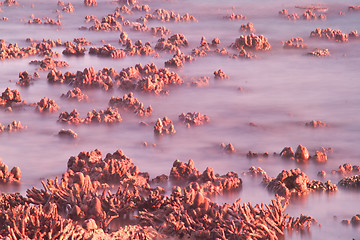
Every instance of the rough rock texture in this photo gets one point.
(108, 115)
(6, 176)
(164, 127)
(252, 42)
(47, 105)
(193, 119)
(130, 103)
(75, 94)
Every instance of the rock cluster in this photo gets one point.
(172, 44)
(6, 176)
(295, 182)
(294, 43)
(49, 64)
(220, 74)
(147, 79)
(75, 94)
(320, 53)
(8, 97)
(167, 16)
(330, 34)
(164, 127)
(67, 133)
(130, 103)
(109, 115)
(47, 105)
(302, 155)
(12, 127)
(193, 119)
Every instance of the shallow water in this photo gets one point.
(281, 90)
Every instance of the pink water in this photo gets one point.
(282, 89)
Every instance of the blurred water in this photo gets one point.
(282, 89)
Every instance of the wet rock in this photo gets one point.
(160, 31)
(355, 220)
(181, 171)
(178, 60)
(6, 176)
(251, 154)
(193, 119)
(256, 172)
(244, 54)
(320, 53)
(130, 103)
(315, 124)
(12, 51)
(319, 157)
(220, 74)
(347, 168)
(350, 182)
(55, 76)
(47, 105)
(200, 81)
(249, 27)
(90, 3)
(330, 34)
(292, 16)
(49, 64)
(140, 8)
(68, 8)
(229, 148)
(114, 168)
(44, 49)
(74, 50)
(147, 79)
(204, 48)
(289, 182)
(138, 48)
(71, 118)
(67, 133)
(90, 224)
(234, 16)
(252, 42)
(107, 51)
(136, 26)
(294, 43)
(172, 219)
(322, 174)
(160, 179)
(353, 34)
(46, 21)
(164, 127)
(167, 16)
(123, 38)
(75, 94)
(354, 8)
(302, 154)
(82, 41)
(25, 79)
(108, 23)
(109, 115)
(8, 97)
(90, 18)
(10, 3)
(88, 78)
(172, 44)
(178, 215)
(287, 152)
(319, 186)
(12, 127)
(309, 15)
